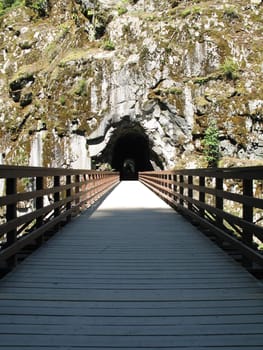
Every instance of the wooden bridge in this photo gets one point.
(127, 271)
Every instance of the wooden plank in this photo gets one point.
(21, 347)
(122, 341)
(142, 321)
(205, 305)
(147, 330)
(125, 311)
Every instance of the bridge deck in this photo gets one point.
(134, 275)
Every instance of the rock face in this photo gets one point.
(91, 82)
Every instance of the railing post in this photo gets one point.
(247, 236)
(219, 200)
(39, 205)
(202, 195)
(56, 194)
(190, 192)
(174, 187)
(77, 200)
(181, 189)
(11, 213)
(68, 194)
(170, 185)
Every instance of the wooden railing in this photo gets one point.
(36, 201)
(229, 202)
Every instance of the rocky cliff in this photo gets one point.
(80, 78)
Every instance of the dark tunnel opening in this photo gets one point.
(131, 154)
(128, 151)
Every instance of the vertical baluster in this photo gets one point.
(247, 236)
(201, 195)
(39, 199)
(77, 180)
(190, 192)
(170, 186)
(181, 184)
(11, 213)
(87, 189)
(56, 194)
(39, 205)
(68, 194)
(175, 189)
(219, 200)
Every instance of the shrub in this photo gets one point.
(195, 10)
(122, 10)
(40, 6)
(7, 4)
(230, 69)
(186, 13)
(62, 100)
(175, 91)
(211, 145)
(231, 12)
(81, 89)
(108, 45)
(1, 8)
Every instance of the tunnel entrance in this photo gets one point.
(131, 154)
(128, 151)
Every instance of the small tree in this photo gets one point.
(211, 145)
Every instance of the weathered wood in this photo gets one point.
(139, 276)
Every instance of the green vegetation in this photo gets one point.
(5, 5)
(40, 6)
(186, 13)
(144, 53)
(211, 145)
(108, 45)
(230, 69)
(231, 12)
(175, 91)
(62, 100)
(195, 10)
(64, 29)
(204, 80)
(122, 10)
(81, 89)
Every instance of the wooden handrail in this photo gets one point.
(205, 196)
(54, 196)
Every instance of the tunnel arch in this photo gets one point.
(129, 151)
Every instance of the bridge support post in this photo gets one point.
(39, 205)
(181, 190)
(56, 199)
(68, 194)
(170, 178)
(174, 187)
(190, 192)
(11, 213)
(219, 200)
(77, 200)
(201, 195)
(247, 236)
